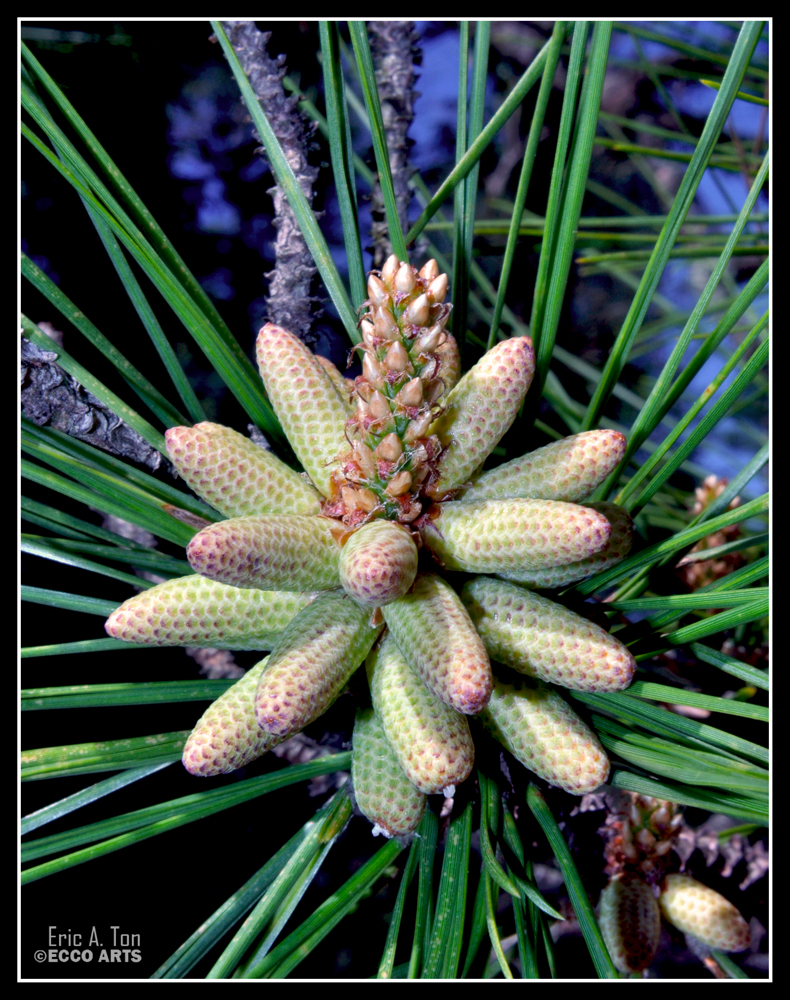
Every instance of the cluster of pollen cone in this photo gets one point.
(344, 565)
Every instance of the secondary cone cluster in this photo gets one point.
(630, 918)
(640, 892)
(342, 566)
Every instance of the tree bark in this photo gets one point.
(290, 302)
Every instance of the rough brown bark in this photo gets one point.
(51, 397)
(290, 303)
(395, 52)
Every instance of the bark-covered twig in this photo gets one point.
(52, 397)
(394, 48)
(290, 303)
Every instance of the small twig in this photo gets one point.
(52, 397)
(395, 52)
(290, 303)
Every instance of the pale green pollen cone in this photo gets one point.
(437, 638)
(378, 563)
(274, 552)
(383, 793)
(228, 736)
(543, 639)
(630, 922)
(432, 741)
(496, 536)
(695, 909)
(479, 410)
(312, 663)
(196, 611)
(614, 551)
(545, 735)
(569, 470)
(306, 402)
(236, 476)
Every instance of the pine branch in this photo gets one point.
(395, 52)
(290, 303)
(52, 397)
